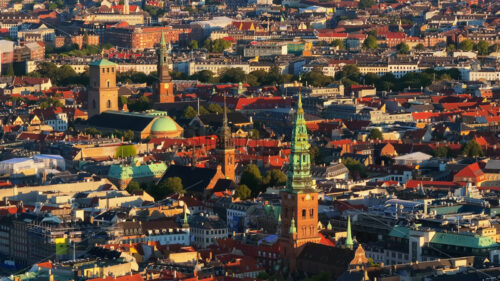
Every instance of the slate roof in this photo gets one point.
(194, 179)
(121, 120)
(327, 256)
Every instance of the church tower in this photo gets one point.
(299, 200)
(163, 88)
(102, 93)
(225, 149)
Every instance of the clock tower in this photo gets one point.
(163, 88)
(299, 200)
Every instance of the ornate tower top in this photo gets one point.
(163, 71)
(299, 176)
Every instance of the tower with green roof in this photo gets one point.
(299, 200)
(102, 91)
(163, 88)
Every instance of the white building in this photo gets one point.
(414, 158)
(59, 122)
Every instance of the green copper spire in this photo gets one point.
(293, 228)
(329, 226)
(163, 43)
(348, 241)
(279, 219)
(299, 175)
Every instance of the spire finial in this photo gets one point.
(293, 228)
(163, 43)
(225, 112)
(348, 240)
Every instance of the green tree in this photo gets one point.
(128, 135)
(354, 166)
(375, 134)
(173, 185)
(140, 104)
(193, 44)
(338, 43)
(242, 192)
(403, 48)
(254, 134)
(232, 75)
(483, 48)
(252, 178)
(133, 186)
(370, 42)
(50, 102)
(215, 108)
(124, 151)
(274, 177)
(317, 79)
(466, 45)
(494, 48)
(420, 47)
(451, 48)
(204, 76)
(442, 152)
(92, 131)
(189, 113)
(316, 155)
(122, 100)
(472, 149)
(10, 70)
(363, 4)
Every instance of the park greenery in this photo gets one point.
(125, 151)
(167, 187)
(253, 179)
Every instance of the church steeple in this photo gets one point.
(185, 223)
(299, 176)
(225, 135)
(348, 241)
(299, 201)
(163, 88)
(225, 147)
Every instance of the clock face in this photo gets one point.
(166, 86)
(308, 197)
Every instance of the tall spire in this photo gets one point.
(348, 241)
(299, 175)
(163, 44)
(225, 135)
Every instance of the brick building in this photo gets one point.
(139, 38)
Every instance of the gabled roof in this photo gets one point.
(471, 171)
(194, 179)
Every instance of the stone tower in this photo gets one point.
(163, 88)
(225, 149)
(102, 92)
(299, 201)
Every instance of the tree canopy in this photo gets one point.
(472, 149)
(375, 134)
(243, 192)
(125, 151)
(252, 178)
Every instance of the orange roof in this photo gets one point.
(471, 171)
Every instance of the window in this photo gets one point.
(311, 213)
(109, 104)
(107, 83)
(93, 104)
(303, 213)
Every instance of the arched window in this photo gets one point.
(94, 104)
(107, 83)
(311, 213)
(109, 104)
(303, 213)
